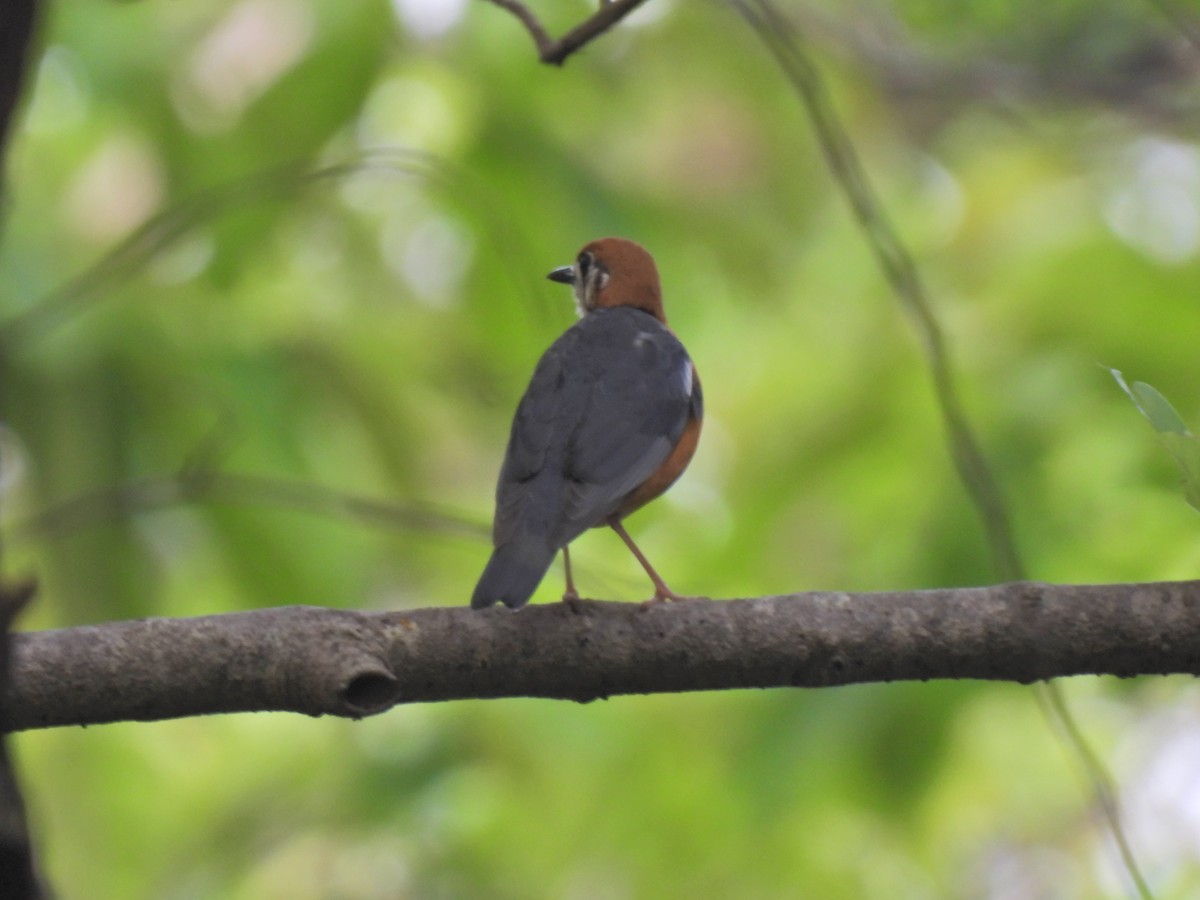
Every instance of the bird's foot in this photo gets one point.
(665, 595)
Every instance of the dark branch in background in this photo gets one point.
(19, 874)
(18, 865)
(336, 662)
(555, 52)
(17, 26)
(781, 39)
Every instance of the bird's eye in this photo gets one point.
(585, 264)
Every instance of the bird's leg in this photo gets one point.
(570, 593)
(661, 591)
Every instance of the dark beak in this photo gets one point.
(563, 275)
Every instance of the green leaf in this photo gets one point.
(1172, 431)
(1158, 410)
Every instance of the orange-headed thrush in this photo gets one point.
(610, 419)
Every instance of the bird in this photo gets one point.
(610, 420)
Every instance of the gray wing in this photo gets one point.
(635, 414)
(605, 407)
(533, 460)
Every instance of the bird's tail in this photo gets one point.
(513, 573)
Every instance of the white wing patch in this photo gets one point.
(686, 375)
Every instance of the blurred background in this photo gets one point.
(261, 256)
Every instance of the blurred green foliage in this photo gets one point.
(330, 224)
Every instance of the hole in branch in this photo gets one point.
(371, 692)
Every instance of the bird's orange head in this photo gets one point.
(613, 272)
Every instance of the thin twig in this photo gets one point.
(1054, 707)
(899, 269)
(164, 229)
(778, 34)
(194, 486)
(539, 34)
(555, 52)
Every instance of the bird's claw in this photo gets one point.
(574, 602)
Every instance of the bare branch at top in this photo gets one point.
(555, 52)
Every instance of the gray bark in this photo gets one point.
(321, 661)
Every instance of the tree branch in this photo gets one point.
(555, 52)
(335, 662)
